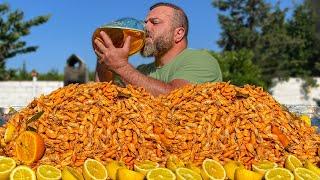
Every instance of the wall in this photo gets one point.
(290, 92)
(21, 93)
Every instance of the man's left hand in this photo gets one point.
(114, 58)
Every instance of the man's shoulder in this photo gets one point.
(196, 54)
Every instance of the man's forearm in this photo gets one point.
(132, 76)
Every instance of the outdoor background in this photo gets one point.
(262, 42)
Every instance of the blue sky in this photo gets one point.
(72, 23)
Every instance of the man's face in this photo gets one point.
(159, 32)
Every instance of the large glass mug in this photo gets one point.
(119, 30)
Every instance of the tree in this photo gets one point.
(238, 68)
(12, 28)
(241, 22)
(52, 75)
(281, 49)
(303, 26)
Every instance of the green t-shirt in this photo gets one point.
(195, 66)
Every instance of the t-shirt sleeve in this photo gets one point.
(198, 69)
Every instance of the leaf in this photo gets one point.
(35, 117)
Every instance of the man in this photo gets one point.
(166, 39)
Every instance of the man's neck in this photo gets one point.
(170, 55)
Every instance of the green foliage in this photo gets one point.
(241, 22)
(52, 75)
(238, 68)
(12, 29)
(281, 48)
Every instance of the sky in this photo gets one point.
(72, 23)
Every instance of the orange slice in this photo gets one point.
(29, 147)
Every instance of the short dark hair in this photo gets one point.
(179, 18)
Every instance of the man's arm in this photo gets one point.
(117, 60)
(132, 76)
(102, 73)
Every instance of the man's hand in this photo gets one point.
(114, 58)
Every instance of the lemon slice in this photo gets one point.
(69, 173)
(193, 167)
(173, 162)
(94, 170)
(292, 162)
(161, 174)
(230, 168)
(47, 172)
(126, 174)
(6, 166)
(22, 173)
(263, 166)
(278, 174)
(312, 167)
(212, 169)
(306, 119)
(112, 168)
(187, 174)
(305, 174)
(8, 135)
(145, 166)
(244, 174)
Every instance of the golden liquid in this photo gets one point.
(118, 36)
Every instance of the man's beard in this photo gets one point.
(158, 47)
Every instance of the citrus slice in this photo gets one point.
(292, 162)
(112, 168)
(126, 174)
(306, 119)
(47, 172)
(263, 166)
(244, 174)
(305, 174)
(193, 167)
(29, 147)
(22, 173)
(68, 173)
(8, 135)
(93, 169)
(145, 166)
(212, 169)
(230, 168)
(160, 174)
(278, 174)
(6, 166)
(173, 162)
(312, 167)
(187, 174)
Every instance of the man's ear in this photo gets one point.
(179, 34)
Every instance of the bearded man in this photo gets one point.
(175, 65)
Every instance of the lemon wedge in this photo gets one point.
(305, 174)
(6, 166)
(47, 172)
(145, 166)
(68, 173)
(161, 174)
(187, 174)
(292, 162)
(212, 169)
(278, 174)
(22, 173)
(94, 170)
